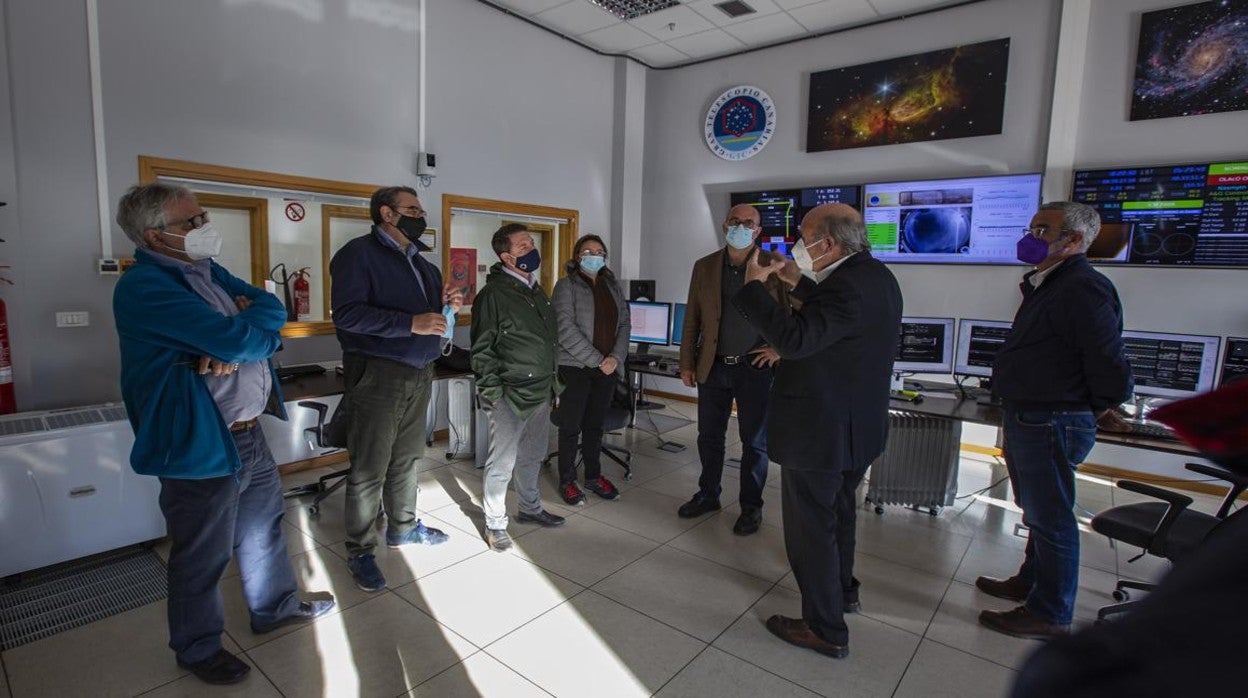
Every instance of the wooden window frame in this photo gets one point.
(329, 211)
(258, 219)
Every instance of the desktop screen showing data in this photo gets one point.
(1184, 215)
(650, 322)
(1235, 361)
(976, 220)
(678, 323)
(926, 345)
(1171, 365)
(782, 210)
(978, 344)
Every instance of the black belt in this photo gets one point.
(733, 360)
(244, 425)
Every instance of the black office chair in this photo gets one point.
(1167, 529)
(616, 419)
(326, 434)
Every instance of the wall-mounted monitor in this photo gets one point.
(973, 220)
(1234, 361)
(1171, 365)
(926, 345)
(978, 343)
(1174, 215)
(650, 321)
(678, 323)
(782, 210)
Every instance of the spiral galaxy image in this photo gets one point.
(1192, 59)
(951, 93)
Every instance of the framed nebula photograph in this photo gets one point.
(951, 93)
(1191, 59)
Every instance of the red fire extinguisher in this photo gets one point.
(303, 295)
(8, 399)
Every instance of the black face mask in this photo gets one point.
(412, 228)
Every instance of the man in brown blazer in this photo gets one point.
(727, 359)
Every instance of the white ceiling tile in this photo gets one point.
(617, 38)
(529, 7)
(830, 14)
(893, 7)
(577, 17)
(707, 9)
(658, 55)
(709, 43)
(686, 20)
(790, 4)
(766, 30)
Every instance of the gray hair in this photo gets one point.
(847, 231)
(142, 208)
(1078, 218)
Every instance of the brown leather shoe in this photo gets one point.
(795, 632)
(1012, 589)
(1021, 622)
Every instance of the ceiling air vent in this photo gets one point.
(735, 8)
(632, 9)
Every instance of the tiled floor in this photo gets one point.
(626, 600)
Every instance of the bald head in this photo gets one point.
(841, 225)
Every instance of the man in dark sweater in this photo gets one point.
(387, 302)
(1061, 368)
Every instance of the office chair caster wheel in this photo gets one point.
(628, 476)
(314, 510)
(1121, 595)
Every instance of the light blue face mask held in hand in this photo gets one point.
(449, 333)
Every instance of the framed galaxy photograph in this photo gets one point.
(951, 93)
(1191, 60)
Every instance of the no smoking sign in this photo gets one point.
(295, 211)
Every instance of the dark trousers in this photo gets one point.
(208, 521)
(386, 438)
(1042, 448)
(820, 521)
(582, 408)
(751, 388)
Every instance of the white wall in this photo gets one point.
(319, 89)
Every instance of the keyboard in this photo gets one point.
(1152, 431)
(297, 370)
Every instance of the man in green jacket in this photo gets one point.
(514, 356)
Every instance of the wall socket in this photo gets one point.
(73, 318)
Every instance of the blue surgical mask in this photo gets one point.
(529, 262)
(740, 237)
(592, 263)
(449, 333)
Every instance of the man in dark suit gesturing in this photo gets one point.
(829, 415)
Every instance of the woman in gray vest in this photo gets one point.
(593, 343)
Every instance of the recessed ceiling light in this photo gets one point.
(735, 8)
(632, 9)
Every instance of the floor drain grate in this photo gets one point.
(72, 594)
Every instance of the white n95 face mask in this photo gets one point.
(201, 243)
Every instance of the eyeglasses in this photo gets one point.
(747, 222)
(588, 253)
(198, 220)
(1041, 231)
(415, 211)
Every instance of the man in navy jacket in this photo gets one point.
(387, 308)
(829, 406)
(1061, 367)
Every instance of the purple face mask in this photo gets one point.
(1031, 249)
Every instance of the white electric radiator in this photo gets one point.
(459, 417)
(919, 466)
(67, 490)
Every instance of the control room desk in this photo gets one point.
(968, 410)
(287, 440)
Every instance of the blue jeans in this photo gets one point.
(1042, 449)
(751, 387)
(210, 520)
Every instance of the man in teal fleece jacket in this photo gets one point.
(195, 377)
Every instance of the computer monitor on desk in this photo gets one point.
(926, 345)
(678, 324)
(651, 323)
(978, 343)
(1171, 365)
(1234, 361)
